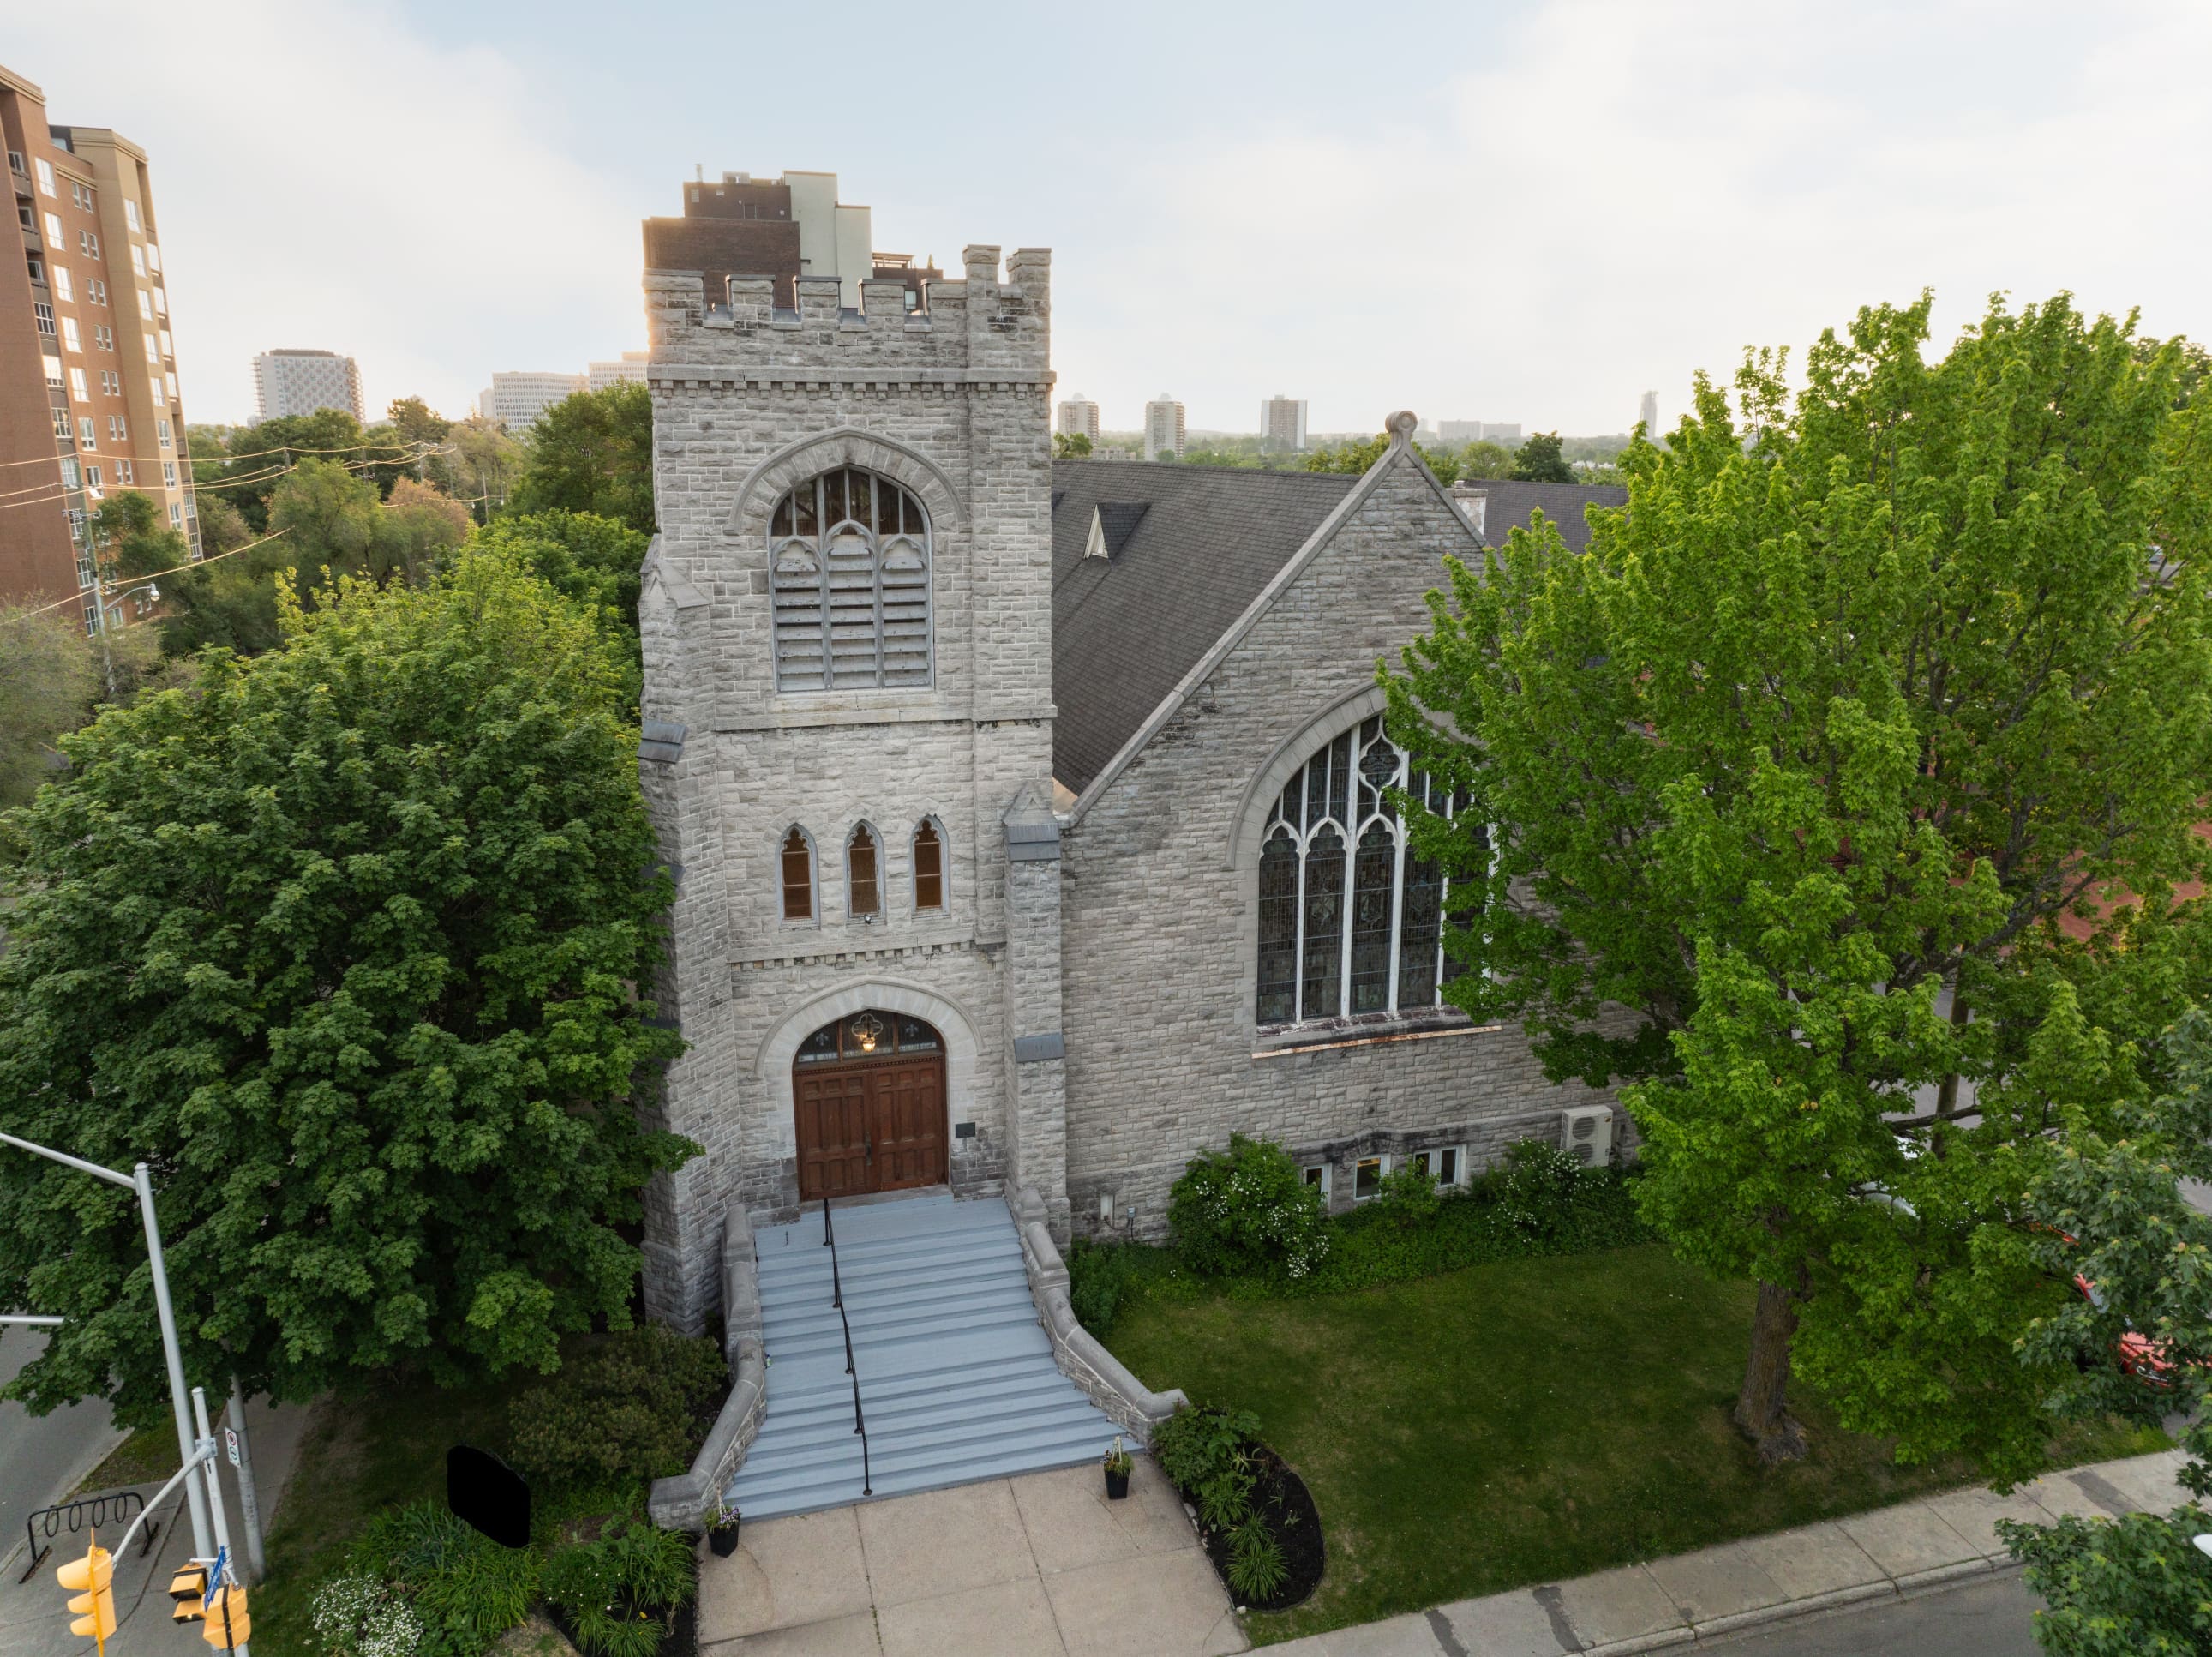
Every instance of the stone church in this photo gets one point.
(1025, 814)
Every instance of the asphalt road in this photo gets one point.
(39, 1453)
(1989, 1616)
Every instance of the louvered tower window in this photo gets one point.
(851, 556)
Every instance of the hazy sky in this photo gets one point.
(1528, 211)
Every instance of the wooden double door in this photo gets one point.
(870, 1124)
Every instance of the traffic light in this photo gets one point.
(228, 1624)
(188, 1587)
(95, 1574)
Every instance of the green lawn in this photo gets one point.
(1513, 1423)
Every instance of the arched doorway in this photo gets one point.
(869, 1092)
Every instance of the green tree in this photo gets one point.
(48, 679)
(2110, 1209)
(1840, 713)
(1353, 457)
(132, 539)
(1538, 460)
(1071, 445)
(344, 945)
(593, 562)
(592, 452)
(417, 423)
(421, 524)
(1483, 459)
(259, 458)
(485, 461)
(221, 529)
(331, 520)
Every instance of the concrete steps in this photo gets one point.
(957, 1379)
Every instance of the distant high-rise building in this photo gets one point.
(1079, 416)
(598, 376)
(88, 376)
(1479, 431)
(299, 382)
(1283, 423)
(515, 400)
(782, 228)
(1163, 428)
(1647, 414)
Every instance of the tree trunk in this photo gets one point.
(1762, 1408)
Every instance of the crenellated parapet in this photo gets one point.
(988, 327)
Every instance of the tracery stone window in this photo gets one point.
(798, 859)
(928, 867)
(851, 592)
(1350, 918)
(863, 890)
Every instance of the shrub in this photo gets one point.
(611, 1589)
(1409, 1195)
(1206, 1450)
(1247, 1210)
(1257, 1569)
(1535, 1187)
(357, 1615)
(1100, 1277)
(463, 1588)
(625, 1410)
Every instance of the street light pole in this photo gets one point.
(141, 1180)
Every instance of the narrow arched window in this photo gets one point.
(851, 559)
(1351, 917)
(863, 890)
(928, 867)
(797, 877)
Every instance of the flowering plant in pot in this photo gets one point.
(722, 1529)
(1116, 1462)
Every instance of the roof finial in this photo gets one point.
(1402, 425)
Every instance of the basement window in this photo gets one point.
(1367, 1178)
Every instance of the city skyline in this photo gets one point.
(1677, 246)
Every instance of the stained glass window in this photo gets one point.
(1351, 919)
(849, 555)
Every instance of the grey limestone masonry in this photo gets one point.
(748, 401)
(1160, 893)
(1090, 971)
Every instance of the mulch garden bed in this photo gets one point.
(1286, 1507)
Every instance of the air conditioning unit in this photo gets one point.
(1586, 1134)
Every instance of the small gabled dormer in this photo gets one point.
(1112, 523)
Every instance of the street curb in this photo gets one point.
(110, 1443)
(1920, 1585)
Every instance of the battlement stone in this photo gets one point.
(984, 329)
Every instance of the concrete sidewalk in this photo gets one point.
(1871, 1557)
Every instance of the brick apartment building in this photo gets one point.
(783, 228)
(88, 373)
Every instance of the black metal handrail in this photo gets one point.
(837, 1300)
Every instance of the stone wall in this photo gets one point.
(1160, 895)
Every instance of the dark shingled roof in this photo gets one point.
(1189, 548)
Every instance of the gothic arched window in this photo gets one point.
(798, 858)
(1351, 919)
(863, 887)
(928, 867)
(850, 553)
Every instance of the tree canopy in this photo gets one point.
(592, 452)
(344, 944)
(1540, 459)
(1844, 781)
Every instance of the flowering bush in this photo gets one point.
(1535, 1189)
(356, 1614)
(1247, 1210)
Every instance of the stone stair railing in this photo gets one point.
(1133, 1405)
(686, 1501)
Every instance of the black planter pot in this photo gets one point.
(723, 1539)
(1117, 1486)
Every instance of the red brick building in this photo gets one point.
(88, 398)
